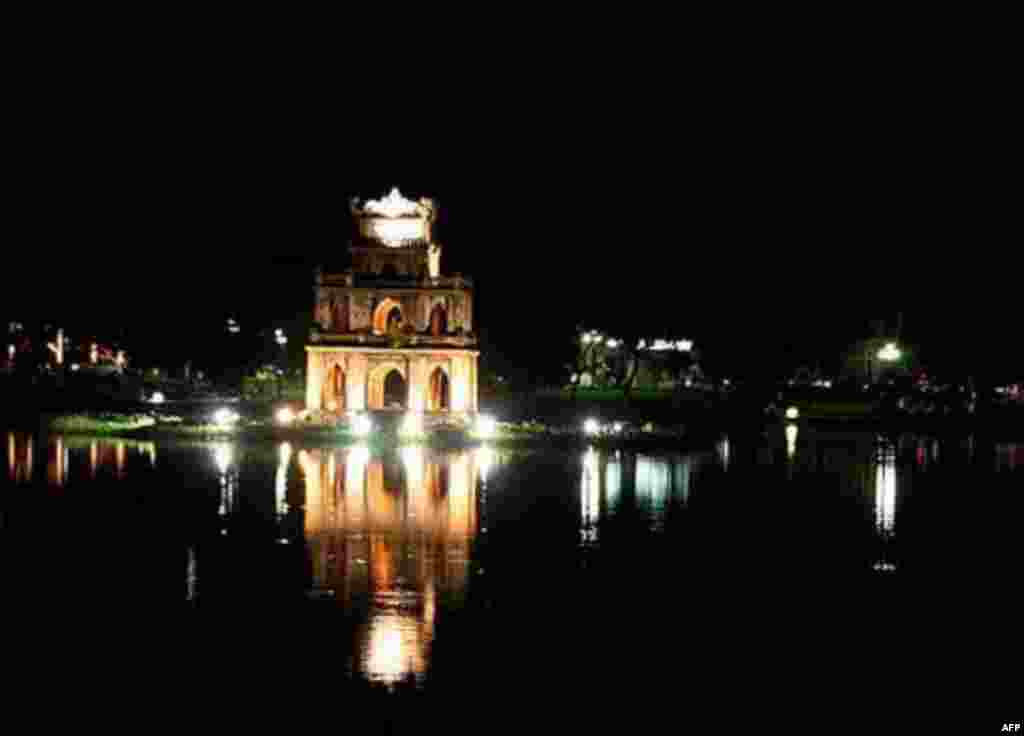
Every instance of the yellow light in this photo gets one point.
(591, 427)
(792, 413)
(485, 427)
(285, 416)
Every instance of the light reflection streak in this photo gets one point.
(792, 431)
(20, 458)
(723, 453)
(613, 482)
(484, 461)
(119, 459)
(652, 482)
(885, 503)
(223, 457)
(190, 575)
(590, 496)
(284, 458)
(57, 467)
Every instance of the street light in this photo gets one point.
(888, 354)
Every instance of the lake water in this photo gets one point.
(416, 576)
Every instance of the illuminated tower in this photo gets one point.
(391, 332)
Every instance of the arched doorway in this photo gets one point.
(438, 320)
(334, 390)
(384, 315)
(439, 396)
(394, 390)
(387, 387)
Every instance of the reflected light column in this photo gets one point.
(885, 504)
(284, 458)
(590, 496)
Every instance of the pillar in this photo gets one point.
(314, 379)
(473, 390)
(459, 384)
(418, 377)
(355, 382)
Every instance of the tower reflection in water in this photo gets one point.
(393, 532)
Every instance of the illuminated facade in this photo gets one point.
(391, 332)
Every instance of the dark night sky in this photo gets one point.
(758, 208)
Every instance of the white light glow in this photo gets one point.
(617, 427)
(613, 344)
(281, 479)
(792, 413)
(361, 425)
(484, 461)
(791, 433)
(885, 493)
(680, 345)
(225, 417)
(396, 232)
(157, 398)
(590, 496)
(485, 427)
(393, 205)
(889, 352)
(591, 427)
(223, 454)
(285, 416)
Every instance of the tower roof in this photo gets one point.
(393, 220)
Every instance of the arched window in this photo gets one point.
(384, 313)
(438, 320)
(394, 391)
(439, 394)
